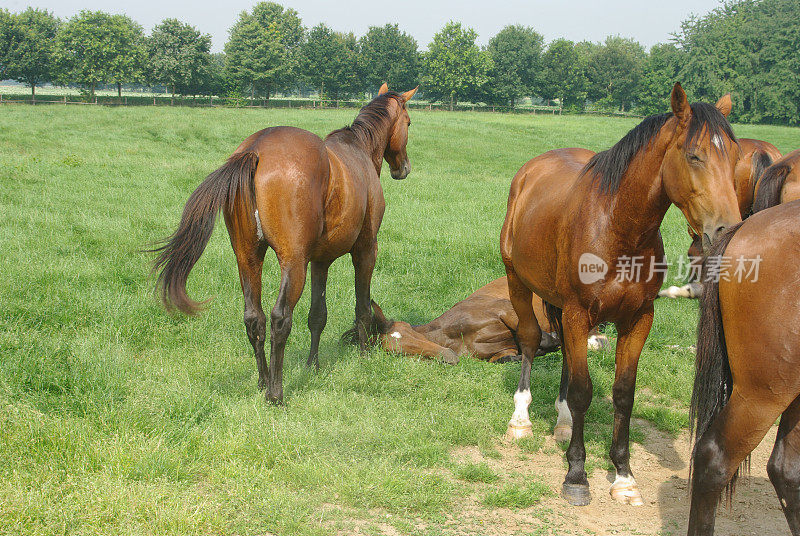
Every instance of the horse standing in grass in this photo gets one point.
(311, 201)
(780, 183)
(571, 208)
(745, 382)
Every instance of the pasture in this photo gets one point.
(118, 418)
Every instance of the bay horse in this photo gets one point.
(756, 156)
(744, 383)
(574, 219)
(483, 325)
(780, 183)
(311, 201)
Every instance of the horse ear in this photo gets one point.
(408, 95)
(680, 104)
(380, 319)
(725, 104)
(384, 89)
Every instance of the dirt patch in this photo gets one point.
(661, 466)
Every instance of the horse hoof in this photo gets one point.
(576, 494)
(562, 433)
(518, 431)
(625, 491)
(450, 357)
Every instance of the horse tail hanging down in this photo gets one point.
(713, 381)
(180, 252)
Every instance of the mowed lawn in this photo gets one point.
(118, 418)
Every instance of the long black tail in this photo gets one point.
(770, 185)
(712, 382)
(180, 252)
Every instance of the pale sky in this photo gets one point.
(646, 21)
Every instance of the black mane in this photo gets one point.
(609, 166)
(372, 120)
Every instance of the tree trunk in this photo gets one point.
(451, 101)
(33, 91)
(91, 91)
(119, 92)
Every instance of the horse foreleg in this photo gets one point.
(630, 342)
(318, 314)
(293, 278)
(784, 465)
(528, 335)
(579, 395)
(363, 256)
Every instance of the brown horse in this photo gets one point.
(311, 201)
(744, 383)
(780, 183)
(576, 219)
(756, 156)
(483, 326)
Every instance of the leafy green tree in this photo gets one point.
(263, 50)
(95, 48)
(614, 71)
(748, 48)
(388, 55)
(563, 73)
(330, 62)
(179, 58)
(516, 54)
(6, 21)
(31, 37)
(659, 74)
(455, 67)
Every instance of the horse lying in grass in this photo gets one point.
(483, 325)
(576, 220)
(756, 157)
(748, 358)
(311, 201)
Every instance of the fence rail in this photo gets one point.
(233, 102)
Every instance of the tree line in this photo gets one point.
(746, 47)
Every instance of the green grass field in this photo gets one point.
(117, 418)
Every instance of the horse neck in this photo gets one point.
(375, 145)
(640, 204)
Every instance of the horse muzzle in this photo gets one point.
(402, 173)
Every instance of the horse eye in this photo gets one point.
(693, 158)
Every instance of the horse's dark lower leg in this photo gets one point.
(293, 278)
(717, 455)
(528, 335)
(363, 256)
(579, 396)
(784, 466)
(563, 429)
(250, 259)
(629, 347)
(318, 314)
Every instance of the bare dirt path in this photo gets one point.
(661, 466)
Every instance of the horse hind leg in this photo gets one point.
(784, 466)
(718, 454)
(250, 251)
(318, 313)
(293, 278)
(528, 335)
